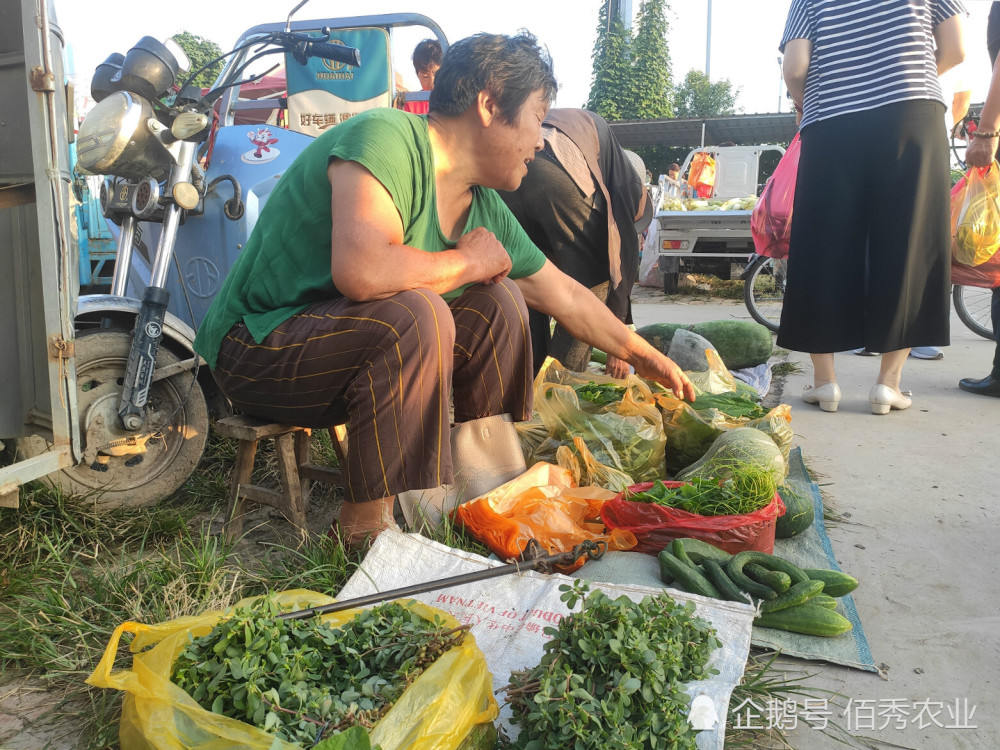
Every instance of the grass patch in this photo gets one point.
(781, 369)
(767, 688)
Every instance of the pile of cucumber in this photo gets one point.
(789, 597)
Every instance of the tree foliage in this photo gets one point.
(651, 83)
(697, 96)
(200, 52)
(610, 94)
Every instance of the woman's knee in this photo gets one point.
(424, 315)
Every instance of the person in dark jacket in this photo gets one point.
(583, 203)
(981, 153)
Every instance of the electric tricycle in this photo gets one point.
(112, 402)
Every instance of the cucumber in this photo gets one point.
(835, 582)
(777, 580)
(688, 578)
(735, 572)
(798, 594)
(718, 577)
(771, 562)
(824, 600)
(699, 551)
(809, 619)
(678, 550)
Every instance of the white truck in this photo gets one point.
(709, 235)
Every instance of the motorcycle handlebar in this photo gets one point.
(336, 52)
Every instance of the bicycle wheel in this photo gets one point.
(764, 290)
(960, 134)
(973, 305)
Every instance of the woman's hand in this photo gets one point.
(667, 373)
(616, 368)
(981, 152)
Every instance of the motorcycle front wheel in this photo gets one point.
(171, 440)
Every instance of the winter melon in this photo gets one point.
(740, 343)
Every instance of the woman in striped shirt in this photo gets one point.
(869, 249)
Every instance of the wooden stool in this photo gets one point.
(292, 452)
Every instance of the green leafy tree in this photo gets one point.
(699, 97)
(200, 52)
(610, 93)
(651, 81)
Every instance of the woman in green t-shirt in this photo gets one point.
(385, 278)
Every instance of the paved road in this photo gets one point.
(922, 537)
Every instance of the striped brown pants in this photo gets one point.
(388, 369)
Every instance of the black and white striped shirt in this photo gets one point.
(867, 53)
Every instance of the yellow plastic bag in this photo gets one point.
(625, 435)
(976, 217)
(437, 712)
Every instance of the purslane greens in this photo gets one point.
(304, 680)
(612, 676)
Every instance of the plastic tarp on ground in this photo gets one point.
(508, 614)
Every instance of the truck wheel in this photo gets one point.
(171, 440)
(671, 282)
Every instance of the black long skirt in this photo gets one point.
(869, 253)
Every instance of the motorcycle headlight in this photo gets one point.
(114, 139)
(149, 68)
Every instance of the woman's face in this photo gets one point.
(512, 145)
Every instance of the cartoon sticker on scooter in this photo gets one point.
(262, 140)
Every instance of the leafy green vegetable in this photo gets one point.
(731, 403)
(612, 676)
(601, 395)
(304, 680)
(746, 488)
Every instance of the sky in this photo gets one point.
(744, 34)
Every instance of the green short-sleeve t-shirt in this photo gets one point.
(285, 266)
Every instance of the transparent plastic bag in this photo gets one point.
(976, 216)
(543, 504)
(626, 435)
(439, 711)
(588, 471)
(985, 274)
(690, 432)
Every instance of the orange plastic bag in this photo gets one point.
(655, 526)
(543, 504)
(701, 175)
(771, 219)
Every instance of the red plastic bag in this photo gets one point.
(655, 526)
(701, 175)
(771, 220)
(985, 274)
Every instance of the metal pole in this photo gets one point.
(708, 44)
(781, 84)
(593, 550)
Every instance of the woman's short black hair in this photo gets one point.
(427, 53)
(508, 67)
